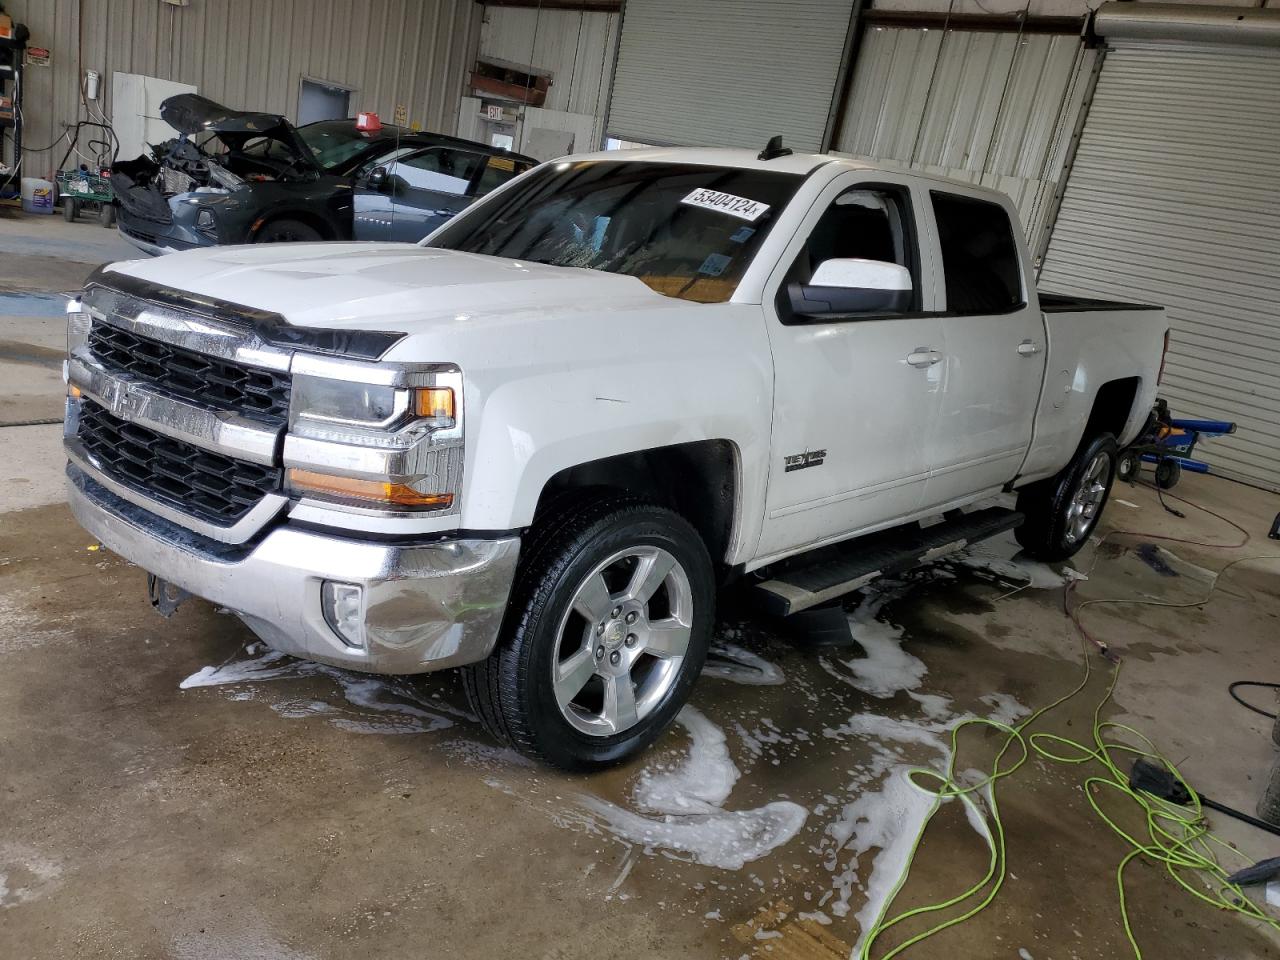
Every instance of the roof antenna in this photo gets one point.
(774, 149)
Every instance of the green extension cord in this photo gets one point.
(1177, 836)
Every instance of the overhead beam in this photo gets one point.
(994, 23)
(581, 6)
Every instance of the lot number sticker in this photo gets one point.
(739, 207)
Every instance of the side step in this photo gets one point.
(855, 564)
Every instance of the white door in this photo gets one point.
(994, 346)
(854, 395)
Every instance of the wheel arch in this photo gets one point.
(312, 219)
(699, 480)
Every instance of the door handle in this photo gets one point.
(923, 357)
(1028, 348)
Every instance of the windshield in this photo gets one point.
(687, 231)
(337, 144)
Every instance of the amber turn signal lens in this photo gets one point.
(434, 402)
(73, 391)
(373, 491)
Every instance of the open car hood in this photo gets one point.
(190, 113)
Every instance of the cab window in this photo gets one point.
(979, 255)
(440, 169)
(864, 223)
(497, 171)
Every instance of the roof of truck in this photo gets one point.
(800, 163)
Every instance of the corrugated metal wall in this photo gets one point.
(990, 108)
(252, 54)
(1174, 198)
(577, 48)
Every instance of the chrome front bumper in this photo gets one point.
(425, 607)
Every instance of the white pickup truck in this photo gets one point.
(534, 445)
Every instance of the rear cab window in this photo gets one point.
(980, 260)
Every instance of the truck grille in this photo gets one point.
(206, 485)
(207, 381)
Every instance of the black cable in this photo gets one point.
(1244, 703)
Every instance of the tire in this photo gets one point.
(515, 691)
(1062, 511)
(287, 231)
(1128, 465)
(1269, 802)
(1168, 473)
(69, 209)
(107, 215)
(1275, 733)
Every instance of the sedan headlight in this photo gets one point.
(207, 224)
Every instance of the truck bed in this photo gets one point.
(1064, 303)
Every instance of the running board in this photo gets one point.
(858, 562)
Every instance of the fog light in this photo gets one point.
(342, 604)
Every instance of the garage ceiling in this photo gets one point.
(731, 73)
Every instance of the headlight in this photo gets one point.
(78, 323)
(206, 223)
(340, 402)
(380, 438)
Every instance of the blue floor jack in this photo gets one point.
(1169, 444)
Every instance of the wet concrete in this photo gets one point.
(173, 790)
(322, 814)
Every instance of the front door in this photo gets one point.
(995, 349)
(855, 396)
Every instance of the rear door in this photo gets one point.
(855, 396)
(995, 348)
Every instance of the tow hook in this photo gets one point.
(166, 597)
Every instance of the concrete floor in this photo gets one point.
(172, 790)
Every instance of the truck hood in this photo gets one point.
(393, 286)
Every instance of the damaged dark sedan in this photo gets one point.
(235, 177)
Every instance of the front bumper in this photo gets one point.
(425, 607)
(158, 239)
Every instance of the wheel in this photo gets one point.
(1269, 802)
(70, 209)
(606, 631)
(1168, 473)
(1127, 466)
(1062, 511)
(287, 231)
(107, 214)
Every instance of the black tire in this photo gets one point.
(1275, 732)
(287, 231)
(107, 214)
(1128, 465)
(70, 209)
(1049, 532)
(1269, 802)
(512, 691)
(1168, 473)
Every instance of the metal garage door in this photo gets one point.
(1174, 198)
(727, 73)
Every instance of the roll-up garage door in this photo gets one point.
(1174, 199)
(727, 73)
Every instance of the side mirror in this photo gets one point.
(850, 286)
(377, 178)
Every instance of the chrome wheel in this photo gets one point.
(622, 641)
(1088, 498)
